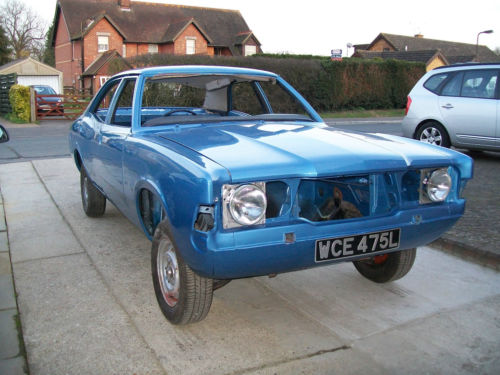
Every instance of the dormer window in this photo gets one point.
(102, 43)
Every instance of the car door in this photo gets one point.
(468, 106)
(112, 137)
(90, 128)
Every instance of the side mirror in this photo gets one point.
(4, 136)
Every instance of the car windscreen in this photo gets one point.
(213, 98)
(45, 90)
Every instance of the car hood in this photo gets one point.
(280, 150)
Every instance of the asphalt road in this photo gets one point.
(30, 142)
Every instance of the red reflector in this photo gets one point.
(408, 104)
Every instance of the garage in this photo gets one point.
(32, 72)
(52, 81)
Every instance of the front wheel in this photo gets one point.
(387, 267)
(183, 296)
(93, 201)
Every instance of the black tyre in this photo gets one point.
(93, 201)
(387, 267)
(184, 297)
(434, 133)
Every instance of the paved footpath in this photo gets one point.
(87, 304)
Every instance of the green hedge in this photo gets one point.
(19, 97)
(327, 85)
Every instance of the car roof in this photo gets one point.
(467, 65)
(197, 69)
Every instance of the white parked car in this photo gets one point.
(456, 106)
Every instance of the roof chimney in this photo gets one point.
(420, 36)
(124, 4)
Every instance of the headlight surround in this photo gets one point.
(244, 204)
(436, 185)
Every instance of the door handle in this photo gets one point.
(447, 106)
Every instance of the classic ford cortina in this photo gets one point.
(232, 174)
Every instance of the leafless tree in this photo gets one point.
(24, 29)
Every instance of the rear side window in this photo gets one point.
(479, 84)
(433, 83)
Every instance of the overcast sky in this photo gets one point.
(317, 26)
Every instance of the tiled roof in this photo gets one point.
(153, 22)
(101, 60)
(448, 49)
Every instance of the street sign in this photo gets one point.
(336, 54)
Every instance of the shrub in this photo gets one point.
(19, 97)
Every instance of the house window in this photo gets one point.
(152, 48)
(190, 46)
(250, 50)
(124, 51)
(102, 43)
(102, 80)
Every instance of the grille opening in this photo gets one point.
(410, 186)
(334, 199)
(277, 194)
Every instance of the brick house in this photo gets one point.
(86, 30)
(432, 52)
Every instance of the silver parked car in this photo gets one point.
(456, 106)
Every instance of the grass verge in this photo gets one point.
(362, 113)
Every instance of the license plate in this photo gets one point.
(360, 244)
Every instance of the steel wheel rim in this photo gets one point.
(167, 268)
(431, 135)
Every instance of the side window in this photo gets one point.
(452, 87)
(245, 99)
(479, 84)
(433, 83)
(122, 114)
(102, 108)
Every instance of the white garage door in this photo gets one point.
(52, 81)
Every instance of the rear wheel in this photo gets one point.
(387, 267)
(93, 201)
(183, 296)
(434, 133)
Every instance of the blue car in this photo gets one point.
(231, 174)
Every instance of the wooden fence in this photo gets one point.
(60, 107)
(6, 82)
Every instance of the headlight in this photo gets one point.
(436, 184)
(244, 204)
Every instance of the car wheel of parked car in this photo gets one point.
(387, 267)
(184, 297)
(434, 133)
(93, 201)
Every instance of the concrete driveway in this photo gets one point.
(87, 304)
